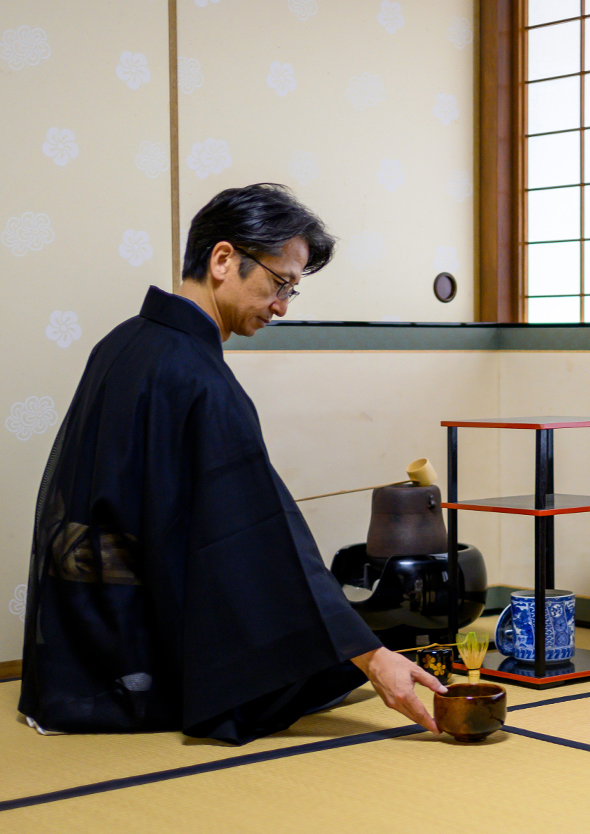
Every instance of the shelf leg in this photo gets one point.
(550, 549)
(541, 479)
(453, 563)
(540, 584)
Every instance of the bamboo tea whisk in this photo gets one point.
(472, 648)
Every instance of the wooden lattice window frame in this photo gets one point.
(503, 160)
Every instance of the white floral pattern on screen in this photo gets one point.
(209, 157)
(459, 32)
(63, 328)
(445, 259)
(25, 46)
(365, 90)
(189, 75)
(446, 108)
(18, 604)
(390, 174)
(459, 185)
(152, 159)
(136, 247)
(281, 78)
(133, 69)
(304, 167)
(28, 233)
(35, 415)
(203, 3)
(365, 249)
(390, 16)
(304, 9)
(60, 145)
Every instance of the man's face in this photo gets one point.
(247, 304)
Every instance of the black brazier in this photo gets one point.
(407, 596)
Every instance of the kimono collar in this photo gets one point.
(173, 311)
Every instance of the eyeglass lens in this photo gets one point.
(286, 292)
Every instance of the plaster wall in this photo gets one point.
(543, 383)
(84, 228)
(382, 115)
(337, 421)
(366, 109)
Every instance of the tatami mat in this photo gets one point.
(569, 720)
(379, 784)
(418, 784)
(67, 761)
(64, 761)
(337, 771)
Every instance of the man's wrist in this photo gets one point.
(363, 661)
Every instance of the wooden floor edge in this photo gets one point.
(11, 669)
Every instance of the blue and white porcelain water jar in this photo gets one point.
(515, 632)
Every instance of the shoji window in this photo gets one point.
(557, 161)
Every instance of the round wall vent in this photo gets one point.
(445, 287)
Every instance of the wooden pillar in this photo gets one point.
(174, 173)
(501, 221)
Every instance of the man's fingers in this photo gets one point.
(421, 713)
(413, 709)
(426, 679)
(393, 676)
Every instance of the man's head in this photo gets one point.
(247, 250)
(259, 219)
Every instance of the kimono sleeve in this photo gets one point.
(261, 609)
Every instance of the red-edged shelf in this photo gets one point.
(522, 423)
(543, 506)
(525, 505)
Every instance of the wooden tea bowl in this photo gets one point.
(470, 711)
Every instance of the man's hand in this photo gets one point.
(393, 677)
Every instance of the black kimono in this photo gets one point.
(174, 583)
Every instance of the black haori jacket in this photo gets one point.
(173, 578)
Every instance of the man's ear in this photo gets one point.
(220, 261)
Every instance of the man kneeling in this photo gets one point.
(174, 582)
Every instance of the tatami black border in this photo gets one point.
(272, 755)
(563, 742)
(549, 702)
(207, 767)
(359, 336)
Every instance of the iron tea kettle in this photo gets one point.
(406, 520)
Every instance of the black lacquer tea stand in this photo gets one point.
(544, 505)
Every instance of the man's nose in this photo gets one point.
(279, 307)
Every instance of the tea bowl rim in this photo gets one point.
(498, 691)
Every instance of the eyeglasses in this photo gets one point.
(286, 292)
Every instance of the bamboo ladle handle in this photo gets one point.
(348, 491)
(420, 472)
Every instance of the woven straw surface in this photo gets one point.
(419, 784)
(31, 763)
(418, 781)
(570, 720)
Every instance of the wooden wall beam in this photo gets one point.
(174, 172)
(11, 669)
(500, 118)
